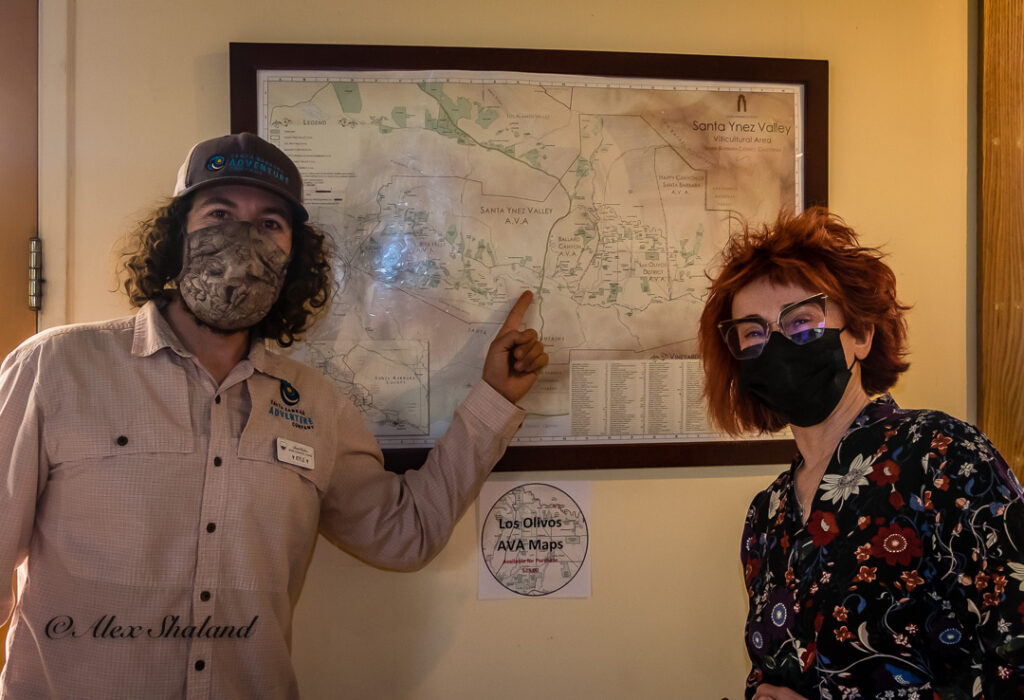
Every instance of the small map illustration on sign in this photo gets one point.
(534, 539)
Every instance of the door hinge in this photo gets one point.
(35, 273)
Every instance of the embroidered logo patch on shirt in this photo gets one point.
(296, 416)
(289, 394)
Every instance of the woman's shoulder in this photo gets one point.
(927, 429)
(953, 455)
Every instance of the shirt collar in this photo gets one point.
(270, 363)
(263, 360)
(880, 408)
(153, 333)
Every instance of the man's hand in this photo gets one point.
(515, 357)
(774, 692)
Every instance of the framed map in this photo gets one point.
(452, 179)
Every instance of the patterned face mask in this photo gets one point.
(231, 274)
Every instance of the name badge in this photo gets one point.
(295, 453)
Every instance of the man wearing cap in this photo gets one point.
(163, 477)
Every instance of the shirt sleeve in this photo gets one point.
(22, 466)
(978, 541)
(752, 559)
(402, 521)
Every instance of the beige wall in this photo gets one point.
(129, 85)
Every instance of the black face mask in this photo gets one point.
(801, 383)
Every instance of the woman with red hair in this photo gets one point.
(888, 561)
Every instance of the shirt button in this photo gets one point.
(122, 440)
(204, 596)
(200, 665)
(217, 400)
(217, 461)
(210, 527)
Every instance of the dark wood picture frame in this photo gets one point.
(247, 59)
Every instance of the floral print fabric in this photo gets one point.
(907, 578)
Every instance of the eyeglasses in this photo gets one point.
(801, 322)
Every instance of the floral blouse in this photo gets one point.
(907, 579)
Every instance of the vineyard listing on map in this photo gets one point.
(448, 193)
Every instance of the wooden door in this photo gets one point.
(18, 191)
(1001, 230)
(19, 46)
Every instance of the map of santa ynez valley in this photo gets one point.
(448, 194)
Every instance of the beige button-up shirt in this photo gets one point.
(162, 535)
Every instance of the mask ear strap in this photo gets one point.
(855, 358)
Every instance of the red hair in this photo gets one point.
(817, 250)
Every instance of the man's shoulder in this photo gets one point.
(289, 366)
(76, 336)
(301, 375)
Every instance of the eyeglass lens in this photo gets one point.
(802, 324)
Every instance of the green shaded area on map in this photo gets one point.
(348, 97)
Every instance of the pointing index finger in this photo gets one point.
(518, 312)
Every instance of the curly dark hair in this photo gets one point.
(152, 261)
(815, 249)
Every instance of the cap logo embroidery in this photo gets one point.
(289, 394)
(254, 166)
(246, 159)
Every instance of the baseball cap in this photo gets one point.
(242, 159)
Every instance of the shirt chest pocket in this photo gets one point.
(108, 427)
(286, 445)
(277, 499)
(121, 478)
(284, 454)
(130, 439)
